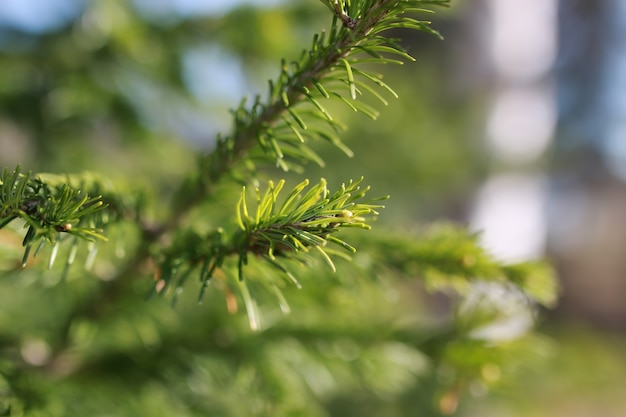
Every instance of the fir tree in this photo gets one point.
(264, 297)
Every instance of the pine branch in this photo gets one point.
(278, 130)
(449, 257)
(294, 112)
(301, 221)
(306, 219)
(53, 207)
(48, 210)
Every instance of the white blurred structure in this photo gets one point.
(522, 45)
(510, 212)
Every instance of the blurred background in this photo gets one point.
(514, 126)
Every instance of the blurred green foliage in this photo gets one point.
(584, 376)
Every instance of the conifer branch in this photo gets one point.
(52, 207)
(303, 221)
(47, 209)
(449, 257)
(306, 219)
(279, 128)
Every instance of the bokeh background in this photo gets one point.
(514, 126)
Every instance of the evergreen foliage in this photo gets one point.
(347, 336)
